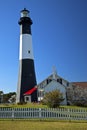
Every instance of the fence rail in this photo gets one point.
(43, 113)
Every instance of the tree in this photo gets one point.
(53, 99)
(1, 92)
(77, 95)
(8, 96)
(1, 96)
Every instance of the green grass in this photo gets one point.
(37, 105)
(30, 105)
(41, 125)
(74, 107)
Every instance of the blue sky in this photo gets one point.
(59, 34)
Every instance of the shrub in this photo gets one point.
(21, 103)
(82, 103)
(53, 99)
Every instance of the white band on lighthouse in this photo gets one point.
(26, 51)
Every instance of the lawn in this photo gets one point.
(41, 125)
(37, 105)
(29, 105)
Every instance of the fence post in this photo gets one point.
(69, 114)
(12, 114)
(39, 112)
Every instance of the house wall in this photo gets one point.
(55, 85)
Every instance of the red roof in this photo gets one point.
(81, 84)
(29, 92)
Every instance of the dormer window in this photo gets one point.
(59, 80)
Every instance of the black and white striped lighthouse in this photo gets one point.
(26, 90)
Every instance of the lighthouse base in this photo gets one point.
(26, 80)
(31, 98)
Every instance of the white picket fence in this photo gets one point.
(43, 113)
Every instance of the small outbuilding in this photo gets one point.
(28, 95)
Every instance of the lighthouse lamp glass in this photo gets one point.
(24, 14)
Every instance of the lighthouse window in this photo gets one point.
(28, 51)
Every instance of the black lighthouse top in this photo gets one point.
(25, 22)
(24, 13)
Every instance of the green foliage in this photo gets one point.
(1, 96)
(7, 96)
(82, 103)
(77, 96)
(1, 92)
(53, 99)
(21, 103)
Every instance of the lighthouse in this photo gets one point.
(26, 89)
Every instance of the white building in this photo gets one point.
(51, 83)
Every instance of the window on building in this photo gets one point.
(27, 98)
(28, 51)
(59, 80)
(49, 80)
(67, 83)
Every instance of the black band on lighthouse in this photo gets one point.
(25, 25)
(27, 77)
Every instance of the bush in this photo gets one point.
(53, 99)
(82, 103)
(21, 103)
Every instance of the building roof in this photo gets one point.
(81, 84)
(29, 92)
(51, 76)
(53, 85)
